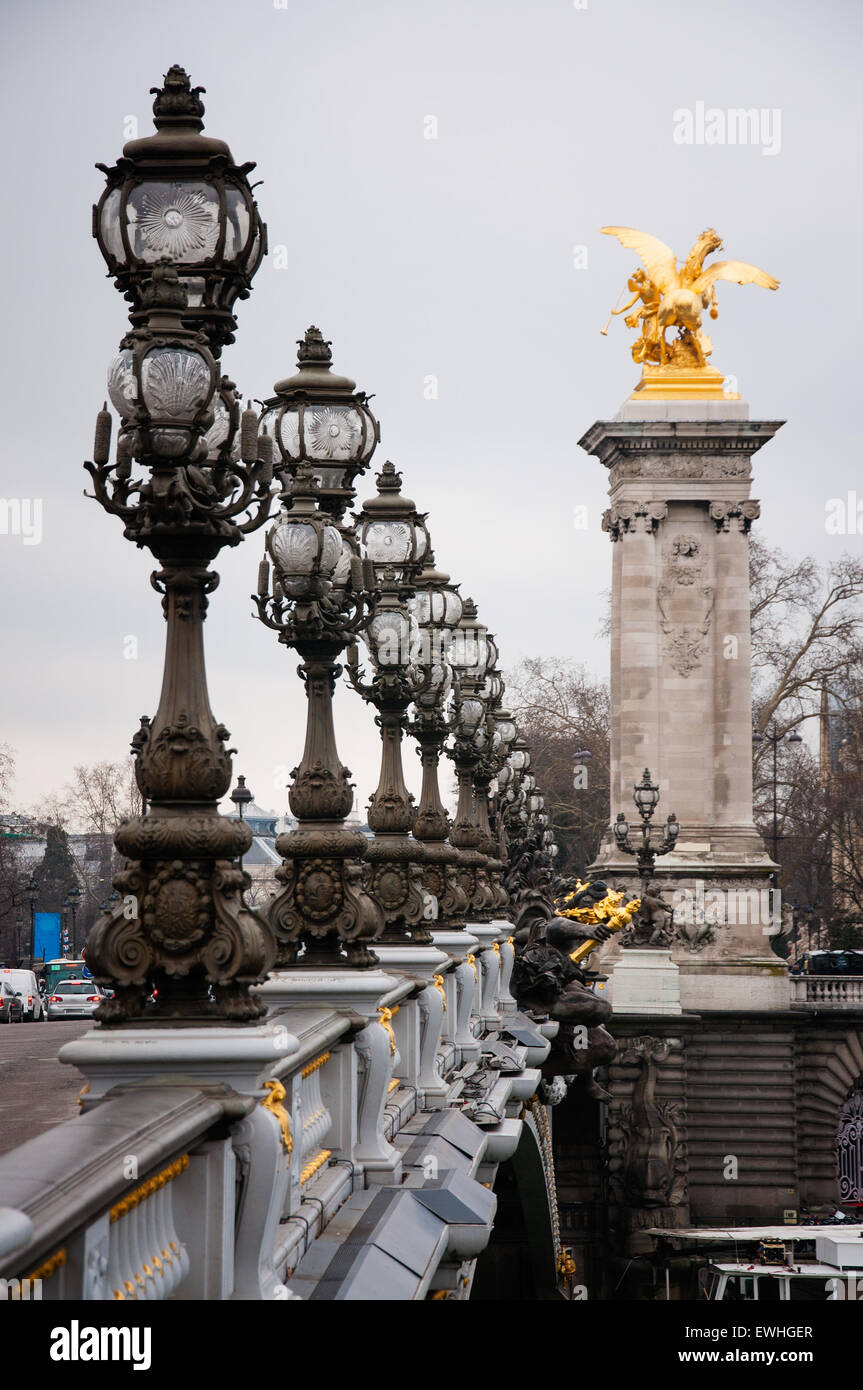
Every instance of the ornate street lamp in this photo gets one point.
(241, 796)
(774, 736)
(436, 607)
(472, 653)
(393, 539)
(71, 905)
(646, 798)
(31, 893)
(318, 600)
(179, 195)
(192, 937)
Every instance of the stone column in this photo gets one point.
(681, 698)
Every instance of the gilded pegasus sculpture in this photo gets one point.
(672, 297)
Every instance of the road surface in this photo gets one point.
(36, 1091)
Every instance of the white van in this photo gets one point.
(24, 983)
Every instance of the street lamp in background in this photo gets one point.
(31, 893)
(70, 910)
(775, 737)
(241, 796)
(646, 798)
(579, 782)
(315, 591)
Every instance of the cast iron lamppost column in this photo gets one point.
(774, 736)
(241, 796)
(436, 608)
(499, 735)
(180, 232)
(325, 435)
(646, 798)
(191, 932)
(73, 902)
(322, 910)
(394, 540)
(471, 653)
(31, 893)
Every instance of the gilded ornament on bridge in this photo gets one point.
(664, 296)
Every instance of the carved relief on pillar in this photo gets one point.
(685, 603)
(736, 515)
(641, 517)
(647, 1149)
(679, 464)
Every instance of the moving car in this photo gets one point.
(74, 999)
(24, 983)
(11, 1005)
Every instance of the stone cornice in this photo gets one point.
(611, 440)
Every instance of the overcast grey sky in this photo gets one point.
(450, 257)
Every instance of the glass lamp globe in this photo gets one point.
(304, 546)
(436, 603)
(388, 637)
(166, 388)
(470, 714)
(646, 795)
(505, 725)
(469, 648)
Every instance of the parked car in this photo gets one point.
(74, 999)
(11, 1004)
(24, 983)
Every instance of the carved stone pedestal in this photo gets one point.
(645, 982)
(235, 1057)
(357, 990)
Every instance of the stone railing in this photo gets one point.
(368, 1112)
(828, 991)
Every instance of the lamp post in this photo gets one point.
(436, 607)
(775, 737)
(317, 600)
(31, 893)
(581, 759)
(471, 653)
(393, 539)
(241, 796)
(73, 898)
(647, 850)
(171, 226)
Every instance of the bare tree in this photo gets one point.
(807, 632)
(807, 636)
(11, 878)
(101, 795)
(561, 710)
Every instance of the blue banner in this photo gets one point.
(47, 940)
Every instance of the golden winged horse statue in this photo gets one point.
(673, 297)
